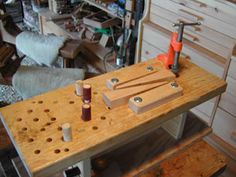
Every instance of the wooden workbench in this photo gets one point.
(34, 124)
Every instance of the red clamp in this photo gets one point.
(175, 46)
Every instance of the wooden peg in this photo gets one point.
(86, 112)
(67, 132)
(87, 93)
(79, 87)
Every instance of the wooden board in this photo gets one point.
(115, 98)
(155, 97)
(200, 159)
(159, 76)
(130, 75)
(34, 124)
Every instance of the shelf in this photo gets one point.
(93, 3)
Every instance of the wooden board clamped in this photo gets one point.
(135, 84)
(115, 98)
(159, 76)
(155, 97)
(140, 71)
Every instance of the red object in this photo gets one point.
(168, 58)
(86, 93)
(86, 112)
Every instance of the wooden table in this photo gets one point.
(34, 124)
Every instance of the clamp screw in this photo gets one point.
(174, 85)
(114, 80)
(149, 68)
(138, 99)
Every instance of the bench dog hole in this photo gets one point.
(37, 151)
(59, 128)
(49, 139)
(57, 151)
(95, 127)
(24, 129)
(47, 110)
(30, 111)
(19, 119)
(42, 129)
(103, 117)
(36, 119)
(66, 150)
(71, 102)
(30, 140)
(53, 119)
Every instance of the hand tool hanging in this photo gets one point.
(171, 59)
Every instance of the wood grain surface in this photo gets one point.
(34, 125)
(200, 159)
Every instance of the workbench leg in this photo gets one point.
(175, 126)
(85, 167)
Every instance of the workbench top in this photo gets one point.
(34, 125)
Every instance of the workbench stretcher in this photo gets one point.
(34, 125)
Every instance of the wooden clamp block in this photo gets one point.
(160, 76)
(155, 97)
(115, 98)
(130, 75)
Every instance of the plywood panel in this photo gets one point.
(34, 124)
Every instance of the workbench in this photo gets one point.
(34, 125)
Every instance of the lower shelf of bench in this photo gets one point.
(198, 159)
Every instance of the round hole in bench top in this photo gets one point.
(24, 129)
(47, 110)
(37, 151)
(42, 129)
(33, 102)
(55, 102)
(30, 140)
(71, 102)
(53, 119)
(40, 102)
(30, 111)
(95, 93)
(59, 128)
(49, 139)
(36, 119)
(57, 151)
(48, 123)
(19, 119)
(103, 117)
(95, 127)
(66, 150)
